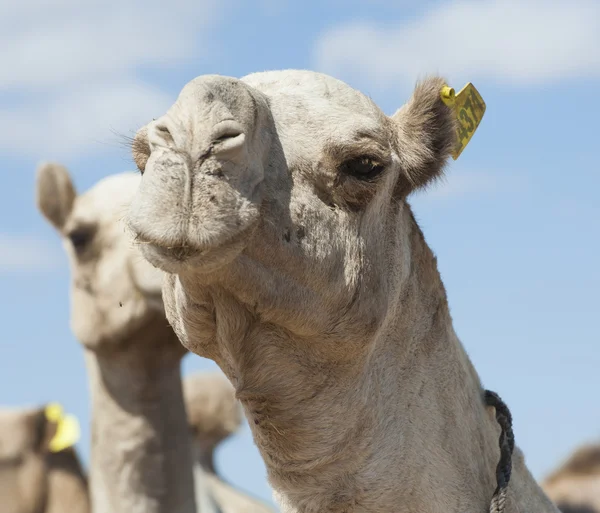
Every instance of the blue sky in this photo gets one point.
(515, 225)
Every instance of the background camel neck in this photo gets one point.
(140, 457)
(67, 484)
(205, 457)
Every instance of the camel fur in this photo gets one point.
(214, 414)
(278, 206)
(141, 452)
(34, 479)
(575, 485)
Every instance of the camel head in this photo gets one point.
(114, 291)
(286, 186)
(575, 486)
(213, 412)
(27, 438)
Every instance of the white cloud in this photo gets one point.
(20, 253)
(519, 42)
(84, 119)
(46, 44)
(73, 71)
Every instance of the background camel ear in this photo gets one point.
(63, 429)
(140, 148)
(42, 430)
(426, 130)
(54, 193)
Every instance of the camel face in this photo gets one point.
(114, 290)
(205, 162)
(307, 193)
(24, 435)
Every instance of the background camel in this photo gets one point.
(141, 457)
(36, 477)
(278, 204)
(215, 414)
(575, 485)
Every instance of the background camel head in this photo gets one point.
(25, 444)
(114, 291)
(575, 486)
(292, 178)
(213, 411)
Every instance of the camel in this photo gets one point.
(277, 204)
(141, 458)
(575, 485)
(214, 414)
(36, 475)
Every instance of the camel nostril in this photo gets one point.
(227, 135)
(163, 129)
(224, 135)
(159, 135)
(227, 140)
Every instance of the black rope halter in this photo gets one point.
(507, 445)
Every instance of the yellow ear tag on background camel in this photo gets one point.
(469, 108)
(67, 428)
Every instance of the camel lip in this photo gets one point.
(173, 259)
(181, 257)
(174, 253)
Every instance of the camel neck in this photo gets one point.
(141, 449)
(205, 457)
(402, 426)
(67, 484)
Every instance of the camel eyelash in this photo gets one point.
(365, 167)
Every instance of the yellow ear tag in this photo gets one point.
(67, 428)
(469, 108)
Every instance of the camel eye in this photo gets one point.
(363, 168)
(80, 238)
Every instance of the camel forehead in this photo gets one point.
(319, 104)
(107, 200)
(315, 90)
(298, 99)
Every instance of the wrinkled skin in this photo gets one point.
(277, 204)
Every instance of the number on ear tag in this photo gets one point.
(469, 108)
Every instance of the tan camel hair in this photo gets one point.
(575, 485)
(215, 414)
(278, 204)
(141, 460)
(35, 480)
(32, 478)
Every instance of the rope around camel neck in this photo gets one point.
(507, 445)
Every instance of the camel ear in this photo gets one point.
(63, 430)
(42, 429)
(140, 148)
(54, 193)
(426, 133)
